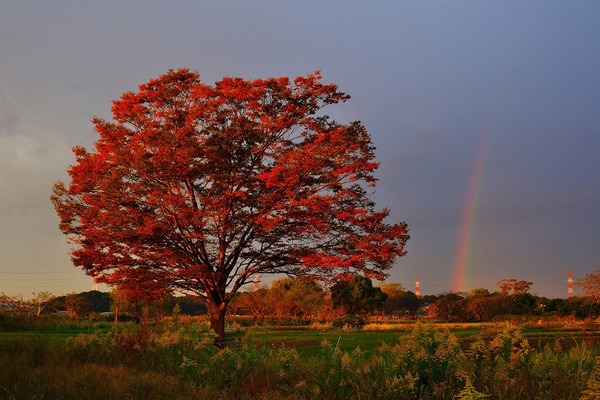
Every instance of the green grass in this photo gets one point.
(308, 341)
(178, 360)
(54, 339)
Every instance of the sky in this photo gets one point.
(485, 115)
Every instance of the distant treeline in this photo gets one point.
(303, 301)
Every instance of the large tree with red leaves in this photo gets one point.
(196, 188)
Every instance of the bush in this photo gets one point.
(349, 321)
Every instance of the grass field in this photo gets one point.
(307, 340)
(176, 360)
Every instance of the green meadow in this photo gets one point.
(176, 359)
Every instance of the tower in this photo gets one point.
(94, 284)
(418, 287)
(570, 285)
(255, 282)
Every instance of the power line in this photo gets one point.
(40, 272)
(38, 279)
(36, 286)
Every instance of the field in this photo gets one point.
(175, 359)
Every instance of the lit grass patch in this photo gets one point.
(178, 361)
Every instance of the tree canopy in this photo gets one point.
(514, 286)
(196, 188)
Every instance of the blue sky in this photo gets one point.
(429, 79)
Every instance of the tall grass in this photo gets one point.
(178, 361)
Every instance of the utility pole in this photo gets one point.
(570, 285)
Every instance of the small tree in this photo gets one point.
(74, 305)
(17, 303)
(197, 188)
(40, 300)
(4, 301)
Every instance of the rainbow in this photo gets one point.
(464, 252)
(466, 237)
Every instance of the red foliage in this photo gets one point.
(196, 188)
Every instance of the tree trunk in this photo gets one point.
(217, 321)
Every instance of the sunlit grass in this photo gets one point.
(176, 359)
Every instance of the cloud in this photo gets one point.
(28, 168)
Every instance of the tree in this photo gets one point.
(118, 302)
(446, 307)
(197, 188)
(74, 305)
(481, 305)
(281, 306)
(409, 304)
(590, 285)
(357, 295)
(307, 297)
(514, 286)
(515, 297)
(393, 291)
(40, 300)
(256, 303)
(296, 297)
(95, 301)
(190, 305)
(17, 303)
(4, 302)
